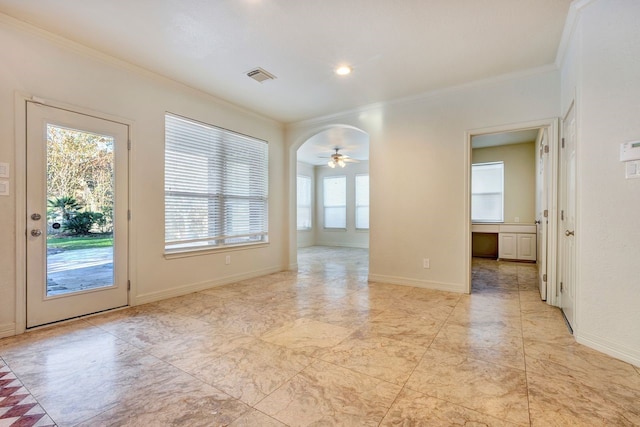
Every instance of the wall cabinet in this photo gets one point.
(521, 246)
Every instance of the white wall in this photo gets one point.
(44, 66)
(519, 178)
(307, 238)
(601, 67)
(419, 201)
(349, 237)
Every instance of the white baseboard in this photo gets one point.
(605, 346)
(7, 330)
(200, 286)
(416, 283)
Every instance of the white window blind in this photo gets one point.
(487, 192)
(216, 186)
(335, 201)
(362, 202)
(304, 202)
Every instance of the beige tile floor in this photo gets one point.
(324, 347)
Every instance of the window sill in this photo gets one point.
(186, 253)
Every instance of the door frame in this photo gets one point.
(553, 126)
(20, 140)
(542, 230)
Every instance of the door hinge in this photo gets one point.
(546, 148)
(129, 214)
(544, 277)
(546, 213)
(562, 142)
(561, 287)
(562, 215)
(128, 285)
(129, 144)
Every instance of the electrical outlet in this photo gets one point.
(425, 263)
(227, 260)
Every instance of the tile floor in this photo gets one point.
(18, 407)
(324, 347)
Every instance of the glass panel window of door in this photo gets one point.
(80, 202)
(487, 192)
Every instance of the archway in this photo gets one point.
(344, 221)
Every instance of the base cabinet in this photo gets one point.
(520, 246)
(507, 246)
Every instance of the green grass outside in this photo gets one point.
(80, 242)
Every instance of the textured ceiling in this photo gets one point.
(396, 48)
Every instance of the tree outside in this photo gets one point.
(79, 183)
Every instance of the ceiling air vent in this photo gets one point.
(260, 75)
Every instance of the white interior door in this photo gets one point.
(567, 266)
(542, 210)
(77, 206)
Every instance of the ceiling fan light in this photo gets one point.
(331, 164)
(341, 163)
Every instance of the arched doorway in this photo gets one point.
(331, 189)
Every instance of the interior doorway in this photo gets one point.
(332, 189)
(511, 206)
(76, 214)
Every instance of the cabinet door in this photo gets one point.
(527, 247)
(507, 246)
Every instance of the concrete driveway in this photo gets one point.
(78, 270)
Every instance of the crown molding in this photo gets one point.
(573, 17)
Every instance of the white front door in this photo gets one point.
(542, 211)
(77, 206)
(567, 226)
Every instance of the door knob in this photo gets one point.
(568, 233)
(36, 232)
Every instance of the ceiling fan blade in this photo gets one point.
(350, 160)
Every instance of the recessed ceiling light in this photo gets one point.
(343, 70)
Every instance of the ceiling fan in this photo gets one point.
(339, 159)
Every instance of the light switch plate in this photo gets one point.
(4, 170)
(4, 188)
(632, 169)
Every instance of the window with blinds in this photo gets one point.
(216, 186)
(335, 202)
(362, 202)
(487, 192)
